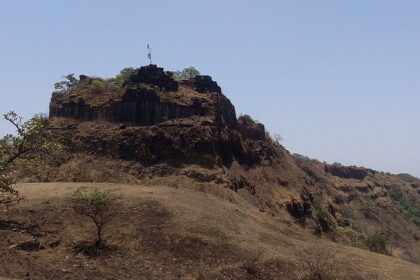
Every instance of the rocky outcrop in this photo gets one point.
(347, 172)
(250, 129)
(299, 209)
(153, 118)
(150, 96)
(153, 75)
(205, 84)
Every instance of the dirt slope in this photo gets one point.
(166, 233)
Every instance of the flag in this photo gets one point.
(149, 52)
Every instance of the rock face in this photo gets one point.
(150, 96)
(347, 172)
(250, 129)
(153, 118)
(153, 75)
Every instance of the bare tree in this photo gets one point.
(317, 263)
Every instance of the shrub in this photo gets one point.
(317, 263)
(247, 120)
(377, 243)
(351, 236)
(409, 206)
(68, 83)
(186, 74)
(29, 144)
(97, 85)
(273, 138)
(320, 216)
(119, 79)
(100, 206)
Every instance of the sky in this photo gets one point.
(339, 80)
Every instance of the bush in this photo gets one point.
(186, 74)
(119, 79)
(30, 144)
(409, 206)
(99, 206)
(317, 263)
(377, 243)
(69, 82)
(98, 85)
(247, 120)
(351, 236)
(273, 138)
(320, 215)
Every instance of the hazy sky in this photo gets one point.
(338, 80)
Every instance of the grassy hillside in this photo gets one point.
(187, 232)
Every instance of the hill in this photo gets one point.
(152, 130)
(168, 233)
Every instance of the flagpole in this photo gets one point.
(149, 54)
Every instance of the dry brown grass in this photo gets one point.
(168, 233)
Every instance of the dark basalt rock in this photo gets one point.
(155, 76)
(145, 122)
(205, 84)
(299, 209)
(242, 183)
(251, 130)
(347, 172)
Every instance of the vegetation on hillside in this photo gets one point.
(68, 83)
(29, 144)
(410, 206)
(186, 73)
(121, 77)
(100, 206)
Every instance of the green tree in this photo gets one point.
(122, 76)
(68, 83)
(29, 143)
(99, 206)
(186, 73)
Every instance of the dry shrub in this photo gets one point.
(316, 263)
(320, 263)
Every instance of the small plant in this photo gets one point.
(351, 236)
(97, 85)
(273, 138)
(99, 205)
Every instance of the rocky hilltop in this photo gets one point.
(154, 130)
(153, 118)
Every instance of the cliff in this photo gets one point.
(153, 118)
(149, 96)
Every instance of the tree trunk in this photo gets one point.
(99, 242)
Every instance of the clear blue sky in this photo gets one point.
(339, 80)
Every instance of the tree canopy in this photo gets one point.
(29, 143)
(186, 73)
(68, 83)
